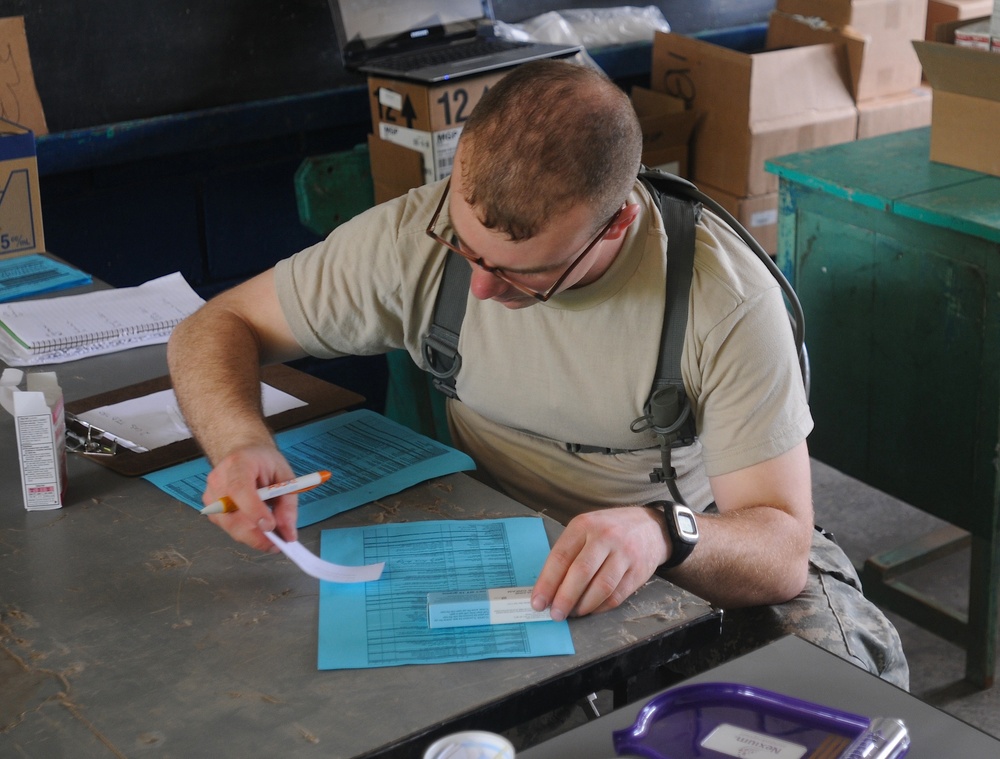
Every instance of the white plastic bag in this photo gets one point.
(590, 27)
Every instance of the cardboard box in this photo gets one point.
(966, 108)
(758, 213)
(894, 113)
(753, 106)
(837, 13)
(901, 18)
(784, 31)
(666, 130)
(20, 103)
(974, 34)
(394, 169)
(424, 119)
(20, 201)
(944, 11)
(880, 62)
(40, 425)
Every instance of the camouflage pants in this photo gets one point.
(831, 612)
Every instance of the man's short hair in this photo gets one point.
(549, 136)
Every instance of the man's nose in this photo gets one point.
(485, 285)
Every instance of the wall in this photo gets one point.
(108, 61)
(177, 127)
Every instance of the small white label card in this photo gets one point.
(390, 98)
(740, 742)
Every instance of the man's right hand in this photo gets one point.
(238, 476)
(215, 357)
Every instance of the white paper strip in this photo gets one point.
(316, 567)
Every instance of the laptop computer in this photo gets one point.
(429, 40)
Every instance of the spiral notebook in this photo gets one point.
(54, 330)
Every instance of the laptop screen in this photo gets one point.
(397, 25)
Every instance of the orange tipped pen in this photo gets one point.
(226, 505)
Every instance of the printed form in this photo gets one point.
(384, 623)
(27, 276)
(369, 455)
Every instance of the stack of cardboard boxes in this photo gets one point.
(666, 125)
(966, 83)
(832, 71)
(995, 27)
(415, 129)
(876, 35)
(752, 107)
(980, 33)
(20, 202)
(948, 11)
(975, 34)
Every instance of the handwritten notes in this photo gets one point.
(61, 329)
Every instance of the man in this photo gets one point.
(559, 344)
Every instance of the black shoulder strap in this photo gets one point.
(678, 187)
(679, 202)
(440, 344)
(668, 405)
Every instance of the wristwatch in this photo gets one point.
(682, 529)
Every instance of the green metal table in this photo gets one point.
(897, 263)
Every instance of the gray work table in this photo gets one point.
(799, 669)
(131, 626)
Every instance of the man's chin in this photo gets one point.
(516, 303)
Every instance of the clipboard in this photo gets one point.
(322, 398)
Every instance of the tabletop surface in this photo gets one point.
(893, 172)
(129, 624)
(796, 668)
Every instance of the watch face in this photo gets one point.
(683, 532)
(686, 525)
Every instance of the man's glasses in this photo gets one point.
(497, 271)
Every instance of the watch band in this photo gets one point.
(682, 529)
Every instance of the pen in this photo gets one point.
(885, 738)
(225, 504)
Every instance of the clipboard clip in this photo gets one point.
(83, 437)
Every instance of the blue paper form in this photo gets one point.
(368, 455)
(384, 623)
(23, 276)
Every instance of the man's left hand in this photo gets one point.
(601, 558)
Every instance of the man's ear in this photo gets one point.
(628, 215)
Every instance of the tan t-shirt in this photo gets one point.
(577, 369)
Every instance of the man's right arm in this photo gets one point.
(215, 357)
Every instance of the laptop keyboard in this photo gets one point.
(474, 49)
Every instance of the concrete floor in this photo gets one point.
(866, 521)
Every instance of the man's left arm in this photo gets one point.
(754, 551)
